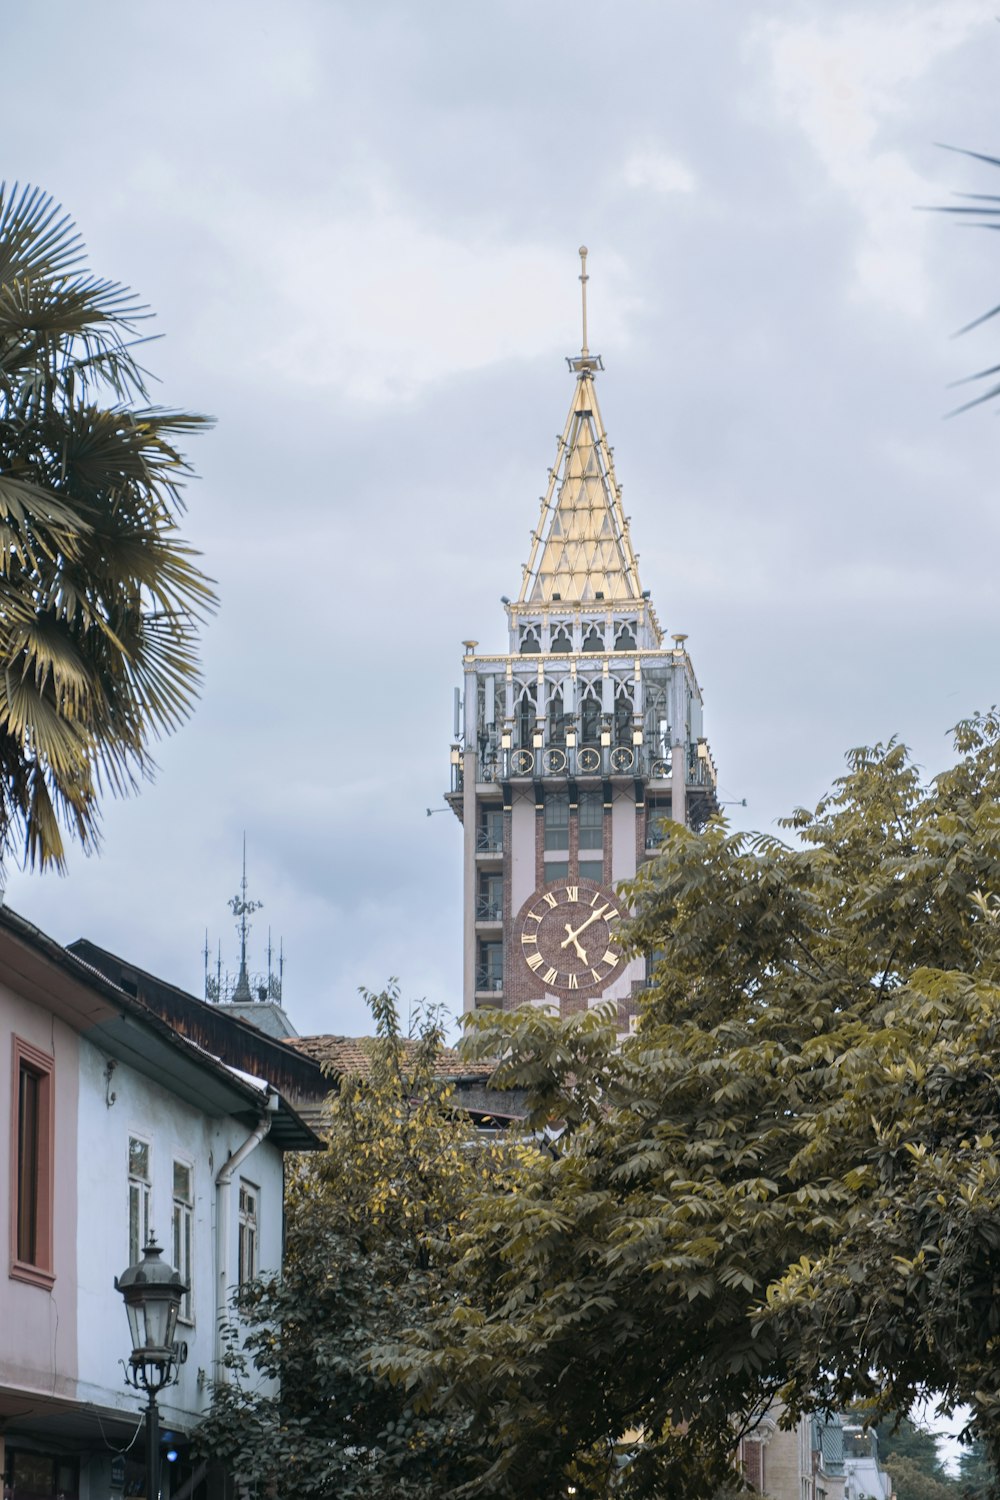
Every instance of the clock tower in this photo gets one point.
(572, 745)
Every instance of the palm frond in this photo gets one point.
(101, 599)
(980, 211)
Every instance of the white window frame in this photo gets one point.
(140, 1193)
(182, 1236)
(248, 1250)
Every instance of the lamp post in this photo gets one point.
(152, 1293)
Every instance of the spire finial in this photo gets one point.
(241, 908)
(584, 278)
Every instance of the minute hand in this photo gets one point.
(583, 925)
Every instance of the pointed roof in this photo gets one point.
(581, 551)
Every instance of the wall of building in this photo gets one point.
(39, 1323)
(177, 1131)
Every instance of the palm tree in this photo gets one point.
(981, 211)
(100, 598)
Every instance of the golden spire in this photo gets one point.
(581, 551)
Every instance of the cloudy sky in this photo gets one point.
(358, 223)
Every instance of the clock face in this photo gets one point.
(568, 935)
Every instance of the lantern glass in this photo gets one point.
(152, 1292)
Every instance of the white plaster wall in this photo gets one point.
(174, 1130)
(522, 864)
(623, 815)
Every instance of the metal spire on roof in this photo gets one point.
(581, 552)
(584, 278)
(242, 908)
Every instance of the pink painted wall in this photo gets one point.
(38, 1345)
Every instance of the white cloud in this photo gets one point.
(374, 303)
(840, 80)
(658, 172)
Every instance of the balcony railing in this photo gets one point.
(488, 842)
(646, 761)
(489, 981)
(488, 910)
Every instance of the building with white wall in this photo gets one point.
(117, 1126)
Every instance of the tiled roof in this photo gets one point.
(351, 1054)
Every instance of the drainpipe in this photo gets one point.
(223, 1202)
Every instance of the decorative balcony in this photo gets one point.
(489, 982)
(488, 910)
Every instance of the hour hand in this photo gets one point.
(571, 937)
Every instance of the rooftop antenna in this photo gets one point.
(242, 908)
(584, 363)
(584, 278)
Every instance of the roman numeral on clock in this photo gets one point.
(534, 960)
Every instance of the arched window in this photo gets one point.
(625, 639)
(590, 715)
(529, 640)
(557, 718)
(623, 716)
(526, 715)
(593, 640)
(561, 640)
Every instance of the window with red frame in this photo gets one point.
(31, 1165)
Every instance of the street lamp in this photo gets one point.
(152, 1293)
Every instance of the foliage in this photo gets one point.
(908, 1439)
(99, 597)
(912, 1482)
(982, 211)
(787, 1181)
(976, 1475)
(911, 1455)
(370, 1225)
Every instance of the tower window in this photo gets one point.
(593, 640)
(489, 903)
(591, 821)
(526, 714)
(529, 640)
(625, 639)
(489, 969)
(590, 721)
(560, 641)
(623, 717)
(489, 835)
(557, 723)
(557, 821)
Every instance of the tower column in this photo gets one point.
(469, 772)
(678, 783)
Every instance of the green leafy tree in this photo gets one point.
(100, 598)
(785, 1182)
(370, 1231)
(912, 1457)
(976, 1475)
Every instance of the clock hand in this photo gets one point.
(574, 935)
(572, 938)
